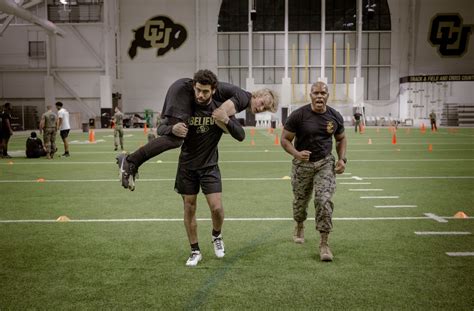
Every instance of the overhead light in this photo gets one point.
(63, 1)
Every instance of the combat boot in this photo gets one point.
(324, 251)
(298, 235)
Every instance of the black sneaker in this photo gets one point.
(66, 154)
(6, 156)
(127, 172)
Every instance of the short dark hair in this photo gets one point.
(33, 134)
(205, 77)
(7, 105)
(59, 104)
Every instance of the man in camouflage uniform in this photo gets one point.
(314, 167)
(118, 129)
(48, 125)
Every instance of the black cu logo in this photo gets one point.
(451, 36)
(159, 32)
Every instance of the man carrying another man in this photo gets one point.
(178, 107)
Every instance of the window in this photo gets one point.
(37, 49)
(304, 43)
(76, 11)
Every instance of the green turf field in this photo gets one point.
(127, 250)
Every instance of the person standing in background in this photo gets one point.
(63, 126)
(357, 116)
(48, 125)
(6, 130)
(118, 129)
(434, 128)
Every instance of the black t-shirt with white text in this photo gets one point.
(180, 99)
(199, 149)
(314, 131)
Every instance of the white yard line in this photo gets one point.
(355, 183)
(435, 217)
(231, 179)
(209, 219)
(442, 233)
(381, 197)
(365, 190)
(66, 162)
(460, 254)
(394, 206)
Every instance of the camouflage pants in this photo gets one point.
(118, 136)
(49, 137)
(319, 177)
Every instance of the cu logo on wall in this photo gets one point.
(158, 32)
(449, 34)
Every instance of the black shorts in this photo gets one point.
(188, 181)
(5, 134)
(64, 133)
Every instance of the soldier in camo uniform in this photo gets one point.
(314, 167)
(48, 125)
(118, 129)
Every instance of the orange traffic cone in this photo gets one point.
(40, 180)
(252, 142)
(63, 219)
(91, 136)
(145, 129)
(370, 141)
(430, 147)
(277, 141)
(460, 215)
(394, 139)
(252, 132)
(423, 129)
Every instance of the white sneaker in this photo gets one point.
(218, 246)
(194, 259)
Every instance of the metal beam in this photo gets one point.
(5, 24)
(11, 8)
(72, 93)
(26, 6)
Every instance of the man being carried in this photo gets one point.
(178, 107)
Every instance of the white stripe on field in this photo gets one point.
(460, 254)
(209, 219)
(365, 189)
(228, 179)
(381, 197)
(355, 183)
(442, 233)
(66, 162)
(393, 206)
(436, 217)
(357, 178)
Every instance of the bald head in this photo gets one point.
(319, 96)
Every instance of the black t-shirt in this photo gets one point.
(4, 116)
(357, 116)
(314, 131)
(34, 146)
(199, 149)
(180, 101)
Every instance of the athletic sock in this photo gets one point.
(215, 233)
(195, 247)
